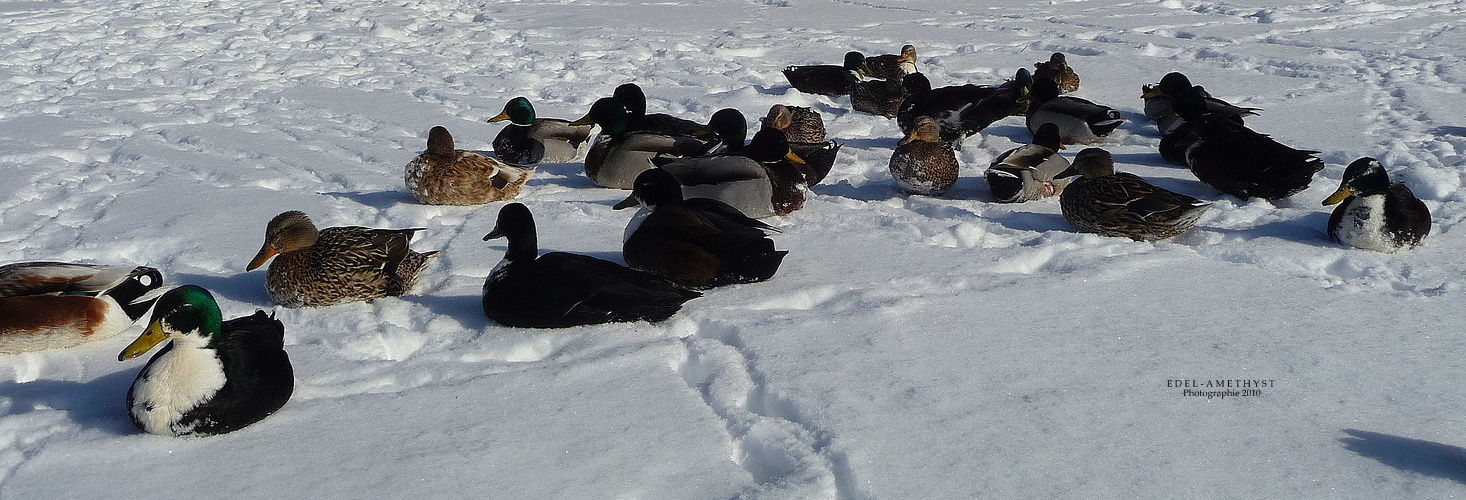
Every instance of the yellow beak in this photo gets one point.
(145, 342)
(500, 117)
(584, 120)
(1338, 196)
(794, 158)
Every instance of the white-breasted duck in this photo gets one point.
(442, 175)
(530, 139)
(1122, 204)
(559, 289)
(1080, 121)
(215, 376)
(1031, 171)
(316, 268)
(696, 242)
(50, 305)
(1376, 214)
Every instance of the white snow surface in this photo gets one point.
(911, 347)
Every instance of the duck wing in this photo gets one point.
(36, 278)
(258, 376)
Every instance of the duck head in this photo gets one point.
(1094, 162)
(1363, 177)
(289, 231)
(516, 224)
(518, 111)
(188, 315)
(609, 114)
(652, 188)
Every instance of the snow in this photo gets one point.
(911, 347)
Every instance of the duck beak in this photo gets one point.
(584, 120)
(499, 117)
(145, 342)
(1338, 196)
(629, 202)
(496, 233)
(266, 252)
(1150, 91)
(794, 158)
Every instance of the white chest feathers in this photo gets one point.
(635, 223)
(176, 383)
(1363, 225)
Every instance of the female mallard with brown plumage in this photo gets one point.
(805, 132)
(1122, 204)
(1057, 69)
(529, 139)
(442, 175)
(923, 163)
(49, 305)
(317, 268)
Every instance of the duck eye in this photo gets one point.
(145, 280)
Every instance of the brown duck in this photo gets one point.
(338, 264)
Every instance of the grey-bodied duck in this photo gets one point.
(1031, 171)
(529, 139)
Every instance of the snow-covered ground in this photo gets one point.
(911, 347)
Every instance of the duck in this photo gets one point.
(559, 289)
(52, 305)
(878, 97)
(529, 139)
(1236, 160)
(804, 130)
(1160, 97)
(1031, 171)
(1122, 204)
(955, 107)
(923, 163)
(1376, 214)
(1057, 69)
(215, 376)
(618, 154)
(1080, 121)
(442, 175)
(760, 179)
(633, 99)
(892, 66)
(799, 123)
(826, 79)
(336, 264)
(698, 243)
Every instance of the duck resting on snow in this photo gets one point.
(49, 305)
(1376, 214)
(316, 268)
(442, 175)
(215, 376)
(529, 139)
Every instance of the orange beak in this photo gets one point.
(266, 252)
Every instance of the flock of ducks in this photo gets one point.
(699, 190)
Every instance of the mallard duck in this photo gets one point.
(923, 163)
(828, 79)
(1080, 121)
(617, 155)
(49, 305)
(442, 175)
(799, 124)
(529, 139)
(1236, 160)
(335, 264)
(1031, 171)
(633, 99)
(1376, 214)
(1122, 204)
(878, 97)
(805, 132)
(760, 179)
(696, 242)
(559, 289)
(215, 377)
(892, 66)
(1159, 99)
(1057, 69)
